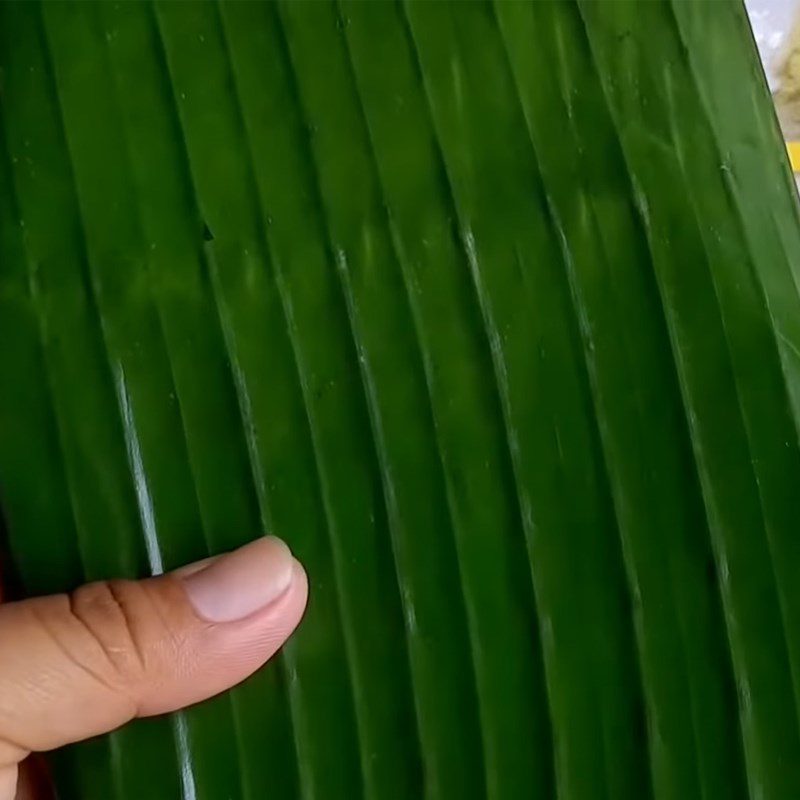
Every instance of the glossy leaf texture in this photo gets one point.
(491, 310)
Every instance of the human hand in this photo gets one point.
(74, 666)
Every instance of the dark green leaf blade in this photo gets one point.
(490, 309)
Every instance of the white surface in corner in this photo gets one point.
(771, 21)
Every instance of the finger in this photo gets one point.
(73, 666)
(8, 781)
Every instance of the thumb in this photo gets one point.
(74, 666)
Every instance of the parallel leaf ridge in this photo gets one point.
(491, 310)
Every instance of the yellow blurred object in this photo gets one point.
(794, 155)
(787, 92)
(776, 27)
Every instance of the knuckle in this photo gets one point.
(115, 615)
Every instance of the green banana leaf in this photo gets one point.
(491, 310)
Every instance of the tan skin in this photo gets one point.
(34, 778)
(74, 666)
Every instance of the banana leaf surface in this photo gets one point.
(491, 310)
